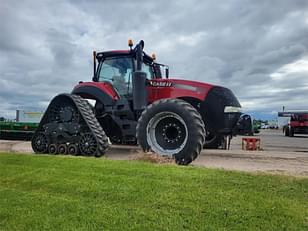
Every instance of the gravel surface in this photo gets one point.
(280, 154)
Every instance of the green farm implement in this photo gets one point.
(17, 130)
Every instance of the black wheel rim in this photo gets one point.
(40, 143)
(52, 149)
(62, 149)
(88, 144)
(170, 133)
(72, 149)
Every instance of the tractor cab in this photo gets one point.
(117, 68)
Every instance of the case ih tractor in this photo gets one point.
(136, 104)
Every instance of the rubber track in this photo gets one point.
(87, 114)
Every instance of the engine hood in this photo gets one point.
(182, 83)
(176, 88)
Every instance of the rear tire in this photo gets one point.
(171, 127)
(291, 132)
(287, 131)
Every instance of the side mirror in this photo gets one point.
(167, 72)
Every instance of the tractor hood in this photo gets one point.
(175, 88)
(219, 107)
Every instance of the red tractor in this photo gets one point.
(298, 124)
(136, 104)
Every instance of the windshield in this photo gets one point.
(118, 72)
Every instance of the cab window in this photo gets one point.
(148, 70)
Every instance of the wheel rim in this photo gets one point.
(72, 149)
(52, 149)
(40, 143)
(88, 144)
(62, 149)
(167, 133)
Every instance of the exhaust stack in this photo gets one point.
(139, 80)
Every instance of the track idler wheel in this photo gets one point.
(73, 149)
(39, 143)
(52, 149)
(62, 149)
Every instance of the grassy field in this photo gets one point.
(61, 193)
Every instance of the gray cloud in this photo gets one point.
(45, 46)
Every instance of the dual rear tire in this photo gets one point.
(172, 127)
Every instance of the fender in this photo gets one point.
(213, 110)
(98, 91)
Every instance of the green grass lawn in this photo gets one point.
(40, 192)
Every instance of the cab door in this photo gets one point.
(118, 72)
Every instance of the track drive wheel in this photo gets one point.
(171, 127)
(88, 145)
(39, 143)
(287, 131)
(291, 132)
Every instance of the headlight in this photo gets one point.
(229, 109)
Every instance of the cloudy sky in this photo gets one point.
(259, 49)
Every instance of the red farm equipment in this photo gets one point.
(137, 103)
(298, 124)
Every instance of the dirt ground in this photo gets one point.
(280, 154)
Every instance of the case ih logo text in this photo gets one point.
(160, 84)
